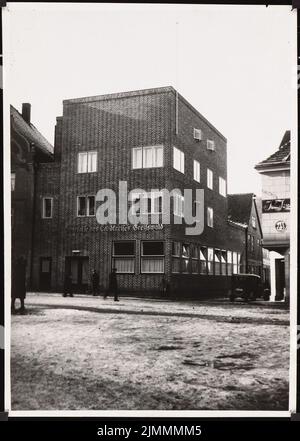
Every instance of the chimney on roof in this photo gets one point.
(26, 110)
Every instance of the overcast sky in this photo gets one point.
(235, 64)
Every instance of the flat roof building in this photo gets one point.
(151, 140)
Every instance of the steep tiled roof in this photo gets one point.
(282, 155)
(239, 207)
(30, 132)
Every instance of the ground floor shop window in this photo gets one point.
(210, 260)
(203, 260)
(124, 256)
(175, 257)
(217, 262)
(235, 262)
(223, 262)
(152, 257)
(229, 263)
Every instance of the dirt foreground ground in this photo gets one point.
(89, 353)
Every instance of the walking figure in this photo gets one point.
(95, 283)
(18, 288)
(113, 285)
(68, 285)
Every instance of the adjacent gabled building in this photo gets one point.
(242, 208)
(275, 172)
(29, 149)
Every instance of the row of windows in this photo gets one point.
(150, 203)
(186, 258)
(151, 157)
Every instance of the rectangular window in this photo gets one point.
(217, 260)
(235, 262)
(210, 260)
(147, 157)
(13, 181)
(210, 144)
(198, 134)
(87, 162)
(47, 208)
(210, 217)
(197, 170)
(195, 258)
(178, 159)
(178, 202)
(124, 257)
(210, 179)
(229, 263)
(253, 222)
(222, 186)
(152, 257)
(85, 206)
(175, 257)
(203, 260)
(223, 262)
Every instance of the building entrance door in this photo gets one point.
(45, 273)
(280, 279)
(78, 267)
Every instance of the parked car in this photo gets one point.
(249, 287)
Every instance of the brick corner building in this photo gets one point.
(153, 140)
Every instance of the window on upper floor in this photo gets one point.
(197, 170)
(210, 144)
(210, 217)
(178, 204)
(149, 203)
(210, 179)
(198, 134)
(222, 186)
(13, 181)
(85, 206)
(47, 208)
(87, 162)
(178, 159)
(148, 157)
(253, 221)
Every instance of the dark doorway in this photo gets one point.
(45, 273)
(78, 267)
(280, 278)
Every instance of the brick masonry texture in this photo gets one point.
(112, 125)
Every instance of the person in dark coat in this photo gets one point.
(68, 285)
(113, 285)
(95, 283)
(18, 288)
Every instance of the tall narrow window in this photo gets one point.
(13, 181)
(47, 208)
(203, 260)
(175, 257)
(178, 203)
(210, 217)
(124, 257)
(210, 178)
(229, 263)
(178, 159)
(87, 162)
(217, 262)
(152, 257)
(222, 186)
(81, 206)
(197, 170)
(210, 260)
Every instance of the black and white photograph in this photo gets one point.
(150, 191)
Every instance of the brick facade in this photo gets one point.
(112, 125)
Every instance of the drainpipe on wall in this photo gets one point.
(34, 167)
(246, 250)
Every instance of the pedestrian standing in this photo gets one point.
(113, 285)
(68, 285)
(18, 288)
(95, 283)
